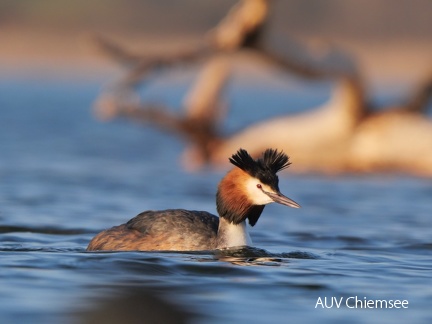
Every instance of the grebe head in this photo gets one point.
(245, 190)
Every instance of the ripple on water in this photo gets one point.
(64, 181)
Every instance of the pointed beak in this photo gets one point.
(281, 199)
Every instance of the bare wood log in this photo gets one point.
(204, 100)
(158, 116)
(317, 140)
(245, 18)
(242, 20)
(138, 66)
(343, 135)
(203, 108)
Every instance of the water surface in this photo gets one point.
(64, 177)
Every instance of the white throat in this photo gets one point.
(231, 235)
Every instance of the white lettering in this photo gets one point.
(381, 302)
(356, 302)
(319, 302)
(329, 303)
(336, 302)
(348, 302)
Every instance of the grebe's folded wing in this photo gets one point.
(161, 221)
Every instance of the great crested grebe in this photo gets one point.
(242, 195)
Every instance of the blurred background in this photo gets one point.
(391, 43)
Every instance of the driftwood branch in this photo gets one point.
(345, 134)
(238, 31)
(231, 33)
(203, 108)
(138, 66)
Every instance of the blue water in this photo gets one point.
(64, 177)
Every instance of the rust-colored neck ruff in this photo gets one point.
(232, 202)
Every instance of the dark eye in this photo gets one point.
(259, 186)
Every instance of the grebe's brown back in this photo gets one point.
(242, 195)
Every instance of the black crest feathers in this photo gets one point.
(244, 161)
(271, 160)
(274, 160)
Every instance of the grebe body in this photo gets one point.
(241, 196)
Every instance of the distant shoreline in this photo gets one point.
(31, 52)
